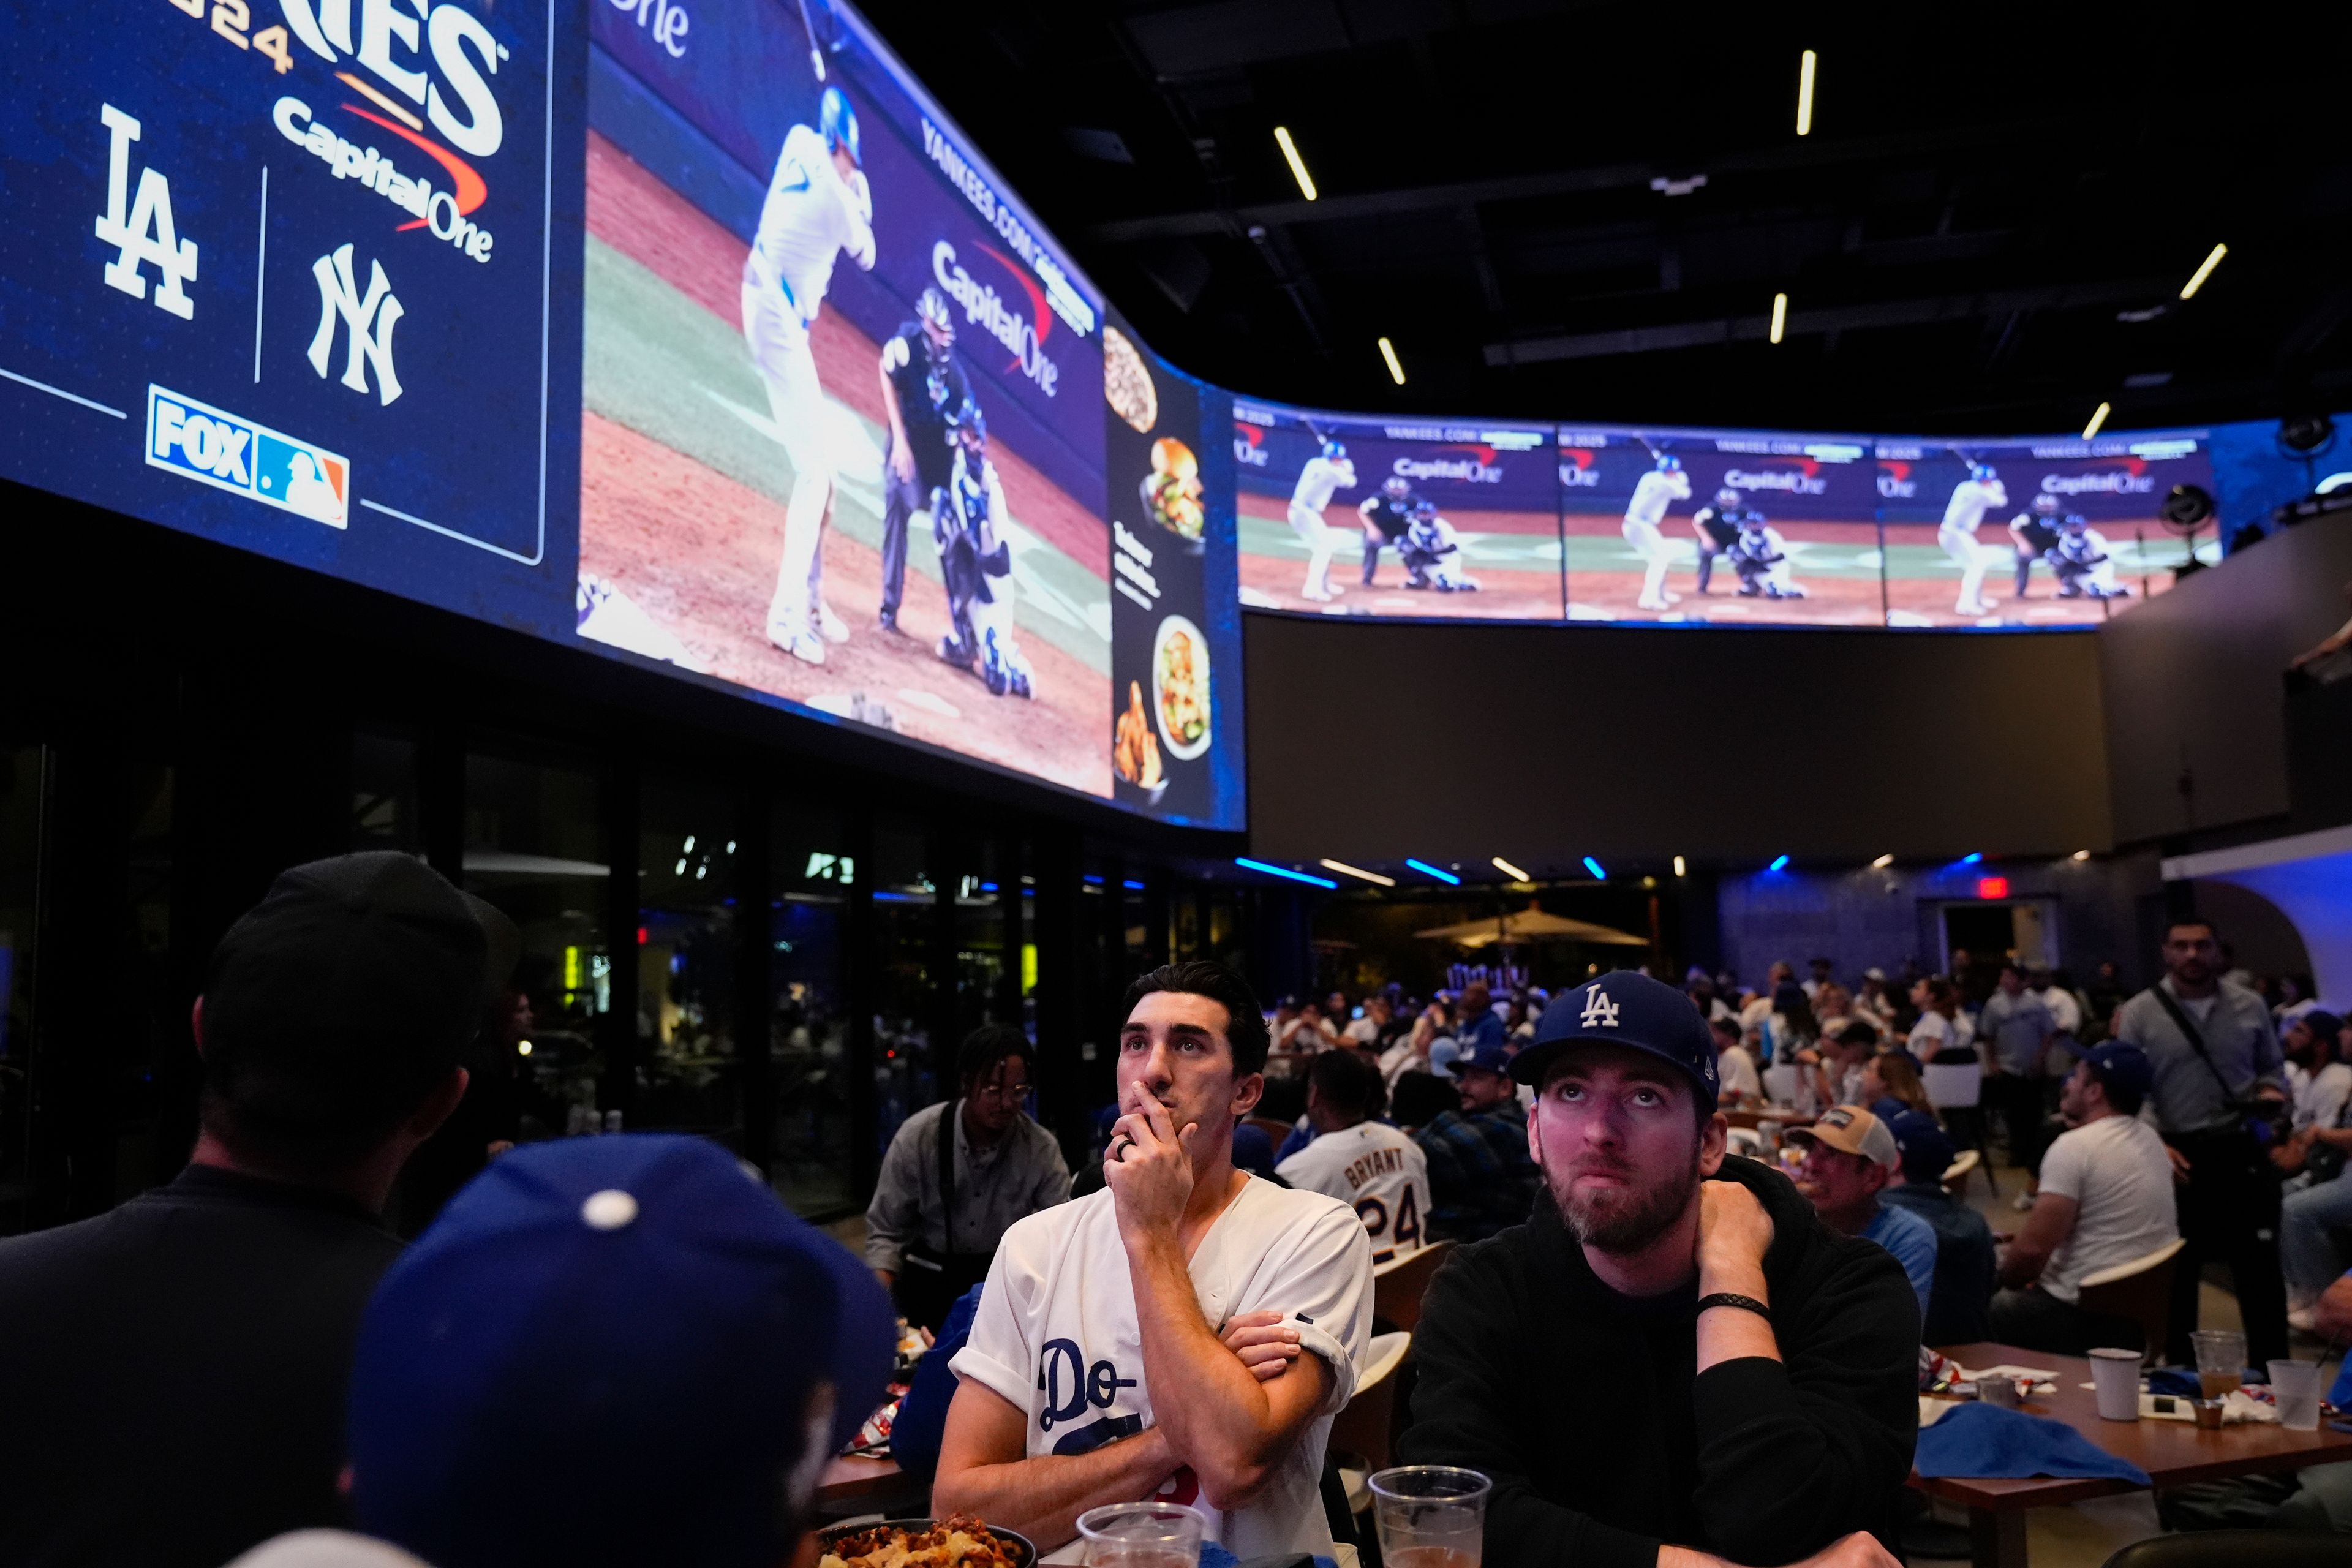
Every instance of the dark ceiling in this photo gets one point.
(1987, 229)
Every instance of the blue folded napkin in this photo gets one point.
(1986, 1442)
(1215, 1556)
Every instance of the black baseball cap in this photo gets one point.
(370, 969)
(1623, 1008)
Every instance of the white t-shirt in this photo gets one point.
(2319, 1097)
(1057, 1335)
(1934, 1033)
(2065, 1012)
(1377, 1171)
(1735, 1070)
(2116, 1172)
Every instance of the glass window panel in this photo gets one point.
(690, 1079)
(383, 794)
(534, 848)
(808, 1029)
(906, 916)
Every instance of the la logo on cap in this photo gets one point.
(1599, 1009)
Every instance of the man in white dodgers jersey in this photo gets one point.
(1658, 489)
(1329, 469)
(1095, 1372)
(818, 206)
(1971, 499)
(1369, 1165)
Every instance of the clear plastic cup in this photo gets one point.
(2114, 1380)
(1141, 1535)
(2220, 1359)
(2295, 1385)
(1430, 1516)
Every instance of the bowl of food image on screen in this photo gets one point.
(1180, 677)
(1134, 753)
(1171, 492)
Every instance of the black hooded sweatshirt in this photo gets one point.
(1583, 1407)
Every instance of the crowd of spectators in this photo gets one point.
(625, 1350)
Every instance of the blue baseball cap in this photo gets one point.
(1629, 1009)
(2125, 1066)
(1487, 1057)
(614, 1349)
(1925, 1147)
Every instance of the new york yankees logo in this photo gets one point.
(1599, 1009)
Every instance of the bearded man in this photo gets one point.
(1674, 1363)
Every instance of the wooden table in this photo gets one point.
(2173, 1453)
(851, 1476)
(1752, 1119)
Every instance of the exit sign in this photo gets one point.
(1992, 886)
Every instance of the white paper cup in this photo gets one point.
(2115, 1379)
(2295, 1385)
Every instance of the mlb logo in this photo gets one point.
(196, 441)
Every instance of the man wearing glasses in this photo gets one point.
(956, 1176)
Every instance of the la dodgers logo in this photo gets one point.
(1599, 1009)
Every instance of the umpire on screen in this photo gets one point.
(958, 1175)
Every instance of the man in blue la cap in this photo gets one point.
(612, 1351)
(2107, 1198)
(1674, 1363)
(1481, 1177)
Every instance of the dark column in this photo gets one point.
(79, 1013)
(1064, 978)
(441, 800)
(947, 855)
(857, 963)
(617, 1032)
(755, 1005)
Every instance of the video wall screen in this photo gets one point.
(1703, 527)
(847, 432)
(1372, 516)
(698, 336)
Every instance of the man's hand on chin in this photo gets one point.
(1147, 1170)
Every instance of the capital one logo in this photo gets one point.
(369, 319)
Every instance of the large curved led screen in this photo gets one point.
(1345, 514)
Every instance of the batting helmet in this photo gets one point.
(1668, 463)
(931, 310)
(1333, 450)
(2046, 504)
(1982, 471)
(1726, 496)
(837, 123)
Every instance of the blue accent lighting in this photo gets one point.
(1595, 867)
(1971, 857)
(1246, 864)
(1426, 870)
(1780, 863)
(1138, 887)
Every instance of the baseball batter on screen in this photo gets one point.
(1328, 470)
(818, 206)
(1658, 489)
(1971, 499)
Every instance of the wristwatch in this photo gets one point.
(1732, 1298)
